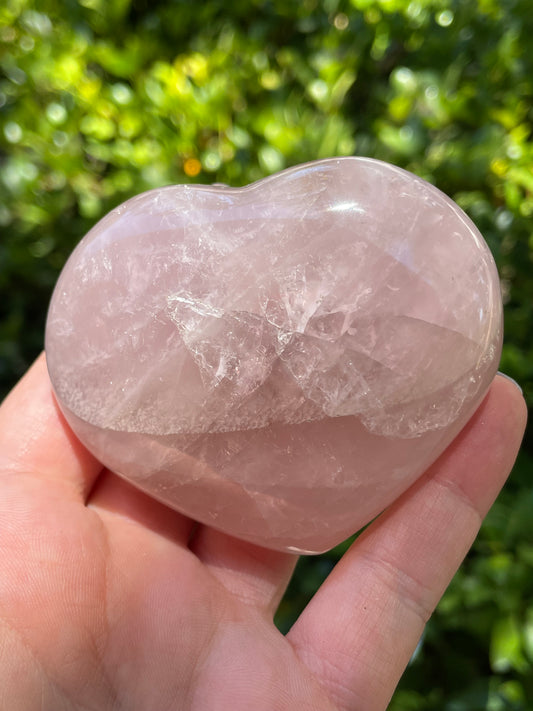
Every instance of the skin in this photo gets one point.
(110, 601)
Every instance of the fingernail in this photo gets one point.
(508, 377)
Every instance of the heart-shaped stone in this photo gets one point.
(279, 361)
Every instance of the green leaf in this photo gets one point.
(506, 651)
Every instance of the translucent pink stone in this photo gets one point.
(279, 361)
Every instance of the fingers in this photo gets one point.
(113, 498)
(256, 575)
(35, 439)
(361, 628)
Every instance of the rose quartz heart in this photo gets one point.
(279, 361)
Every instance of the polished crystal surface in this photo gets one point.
(279, 361)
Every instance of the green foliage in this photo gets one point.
(102, 99)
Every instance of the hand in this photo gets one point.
(109, 600)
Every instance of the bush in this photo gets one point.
(102, 99)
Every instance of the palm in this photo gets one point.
(114, 590)
(120, 603)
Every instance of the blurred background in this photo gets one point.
(103, 99)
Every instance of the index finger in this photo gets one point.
(360, 630)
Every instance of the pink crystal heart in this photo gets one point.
(279, 361)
